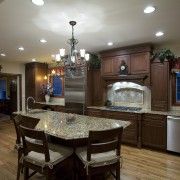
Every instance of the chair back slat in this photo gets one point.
(17, 120)
(31, 138)
(103, 147)
(104, 141)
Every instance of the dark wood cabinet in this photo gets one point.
(58, 108)
(137, 59)
(130, 133)
(140, 63)
(107, 66)
(96, 92)
(34, 78)
(154, 131)
(160, 86)
(118, 60)
(94, 112)
(5, 106)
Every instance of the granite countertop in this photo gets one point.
(54, 123)
(147, 111)
(52, 103)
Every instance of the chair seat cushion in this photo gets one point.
(98, 159)
(57, 154)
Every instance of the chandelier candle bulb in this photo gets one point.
(82, 52)
(62, 52)
(58, 57)
(87, 57)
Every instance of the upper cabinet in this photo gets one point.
(107, 66)
(135, 58)
(34, 78)
(140, 63)
(160, 86)
(117, 62)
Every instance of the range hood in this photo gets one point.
(138, 79)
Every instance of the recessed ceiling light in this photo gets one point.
(21, 48)
(53, 55)
(33, 60)
(159, 33)
(109, 43)
(149, 9)
(43, 41)
(38, 2)
(2, 54)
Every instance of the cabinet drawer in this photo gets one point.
(154, 118)
(94, 112)
(120, 115)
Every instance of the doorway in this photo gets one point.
(11, 100)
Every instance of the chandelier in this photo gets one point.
(75, 58)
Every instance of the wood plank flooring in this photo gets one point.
(138, 164)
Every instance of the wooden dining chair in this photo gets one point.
(27, 122)
(17, 120)
(102, 154)
(38, 156)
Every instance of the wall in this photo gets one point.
(15, 68)
(175, 48)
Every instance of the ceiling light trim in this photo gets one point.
(38, 2)
(149, 9)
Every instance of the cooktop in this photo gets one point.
(123, 108)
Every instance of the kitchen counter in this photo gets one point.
(146, 111)
(52, 103)
(54, 123)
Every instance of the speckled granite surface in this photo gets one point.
(52, 103)
(54, 123)
(168, 113)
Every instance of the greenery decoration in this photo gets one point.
(94, 62)
(163, 54)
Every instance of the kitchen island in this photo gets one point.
(55, 124)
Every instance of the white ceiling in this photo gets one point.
(98, 21)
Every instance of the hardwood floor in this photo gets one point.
(138, 164)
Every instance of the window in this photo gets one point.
(56, 78)
(57, 81)
(176, 89)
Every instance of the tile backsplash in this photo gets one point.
(129, 94)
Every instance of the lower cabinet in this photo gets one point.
(94, 112)
(154, 131)
(130, 133)
(50, 107)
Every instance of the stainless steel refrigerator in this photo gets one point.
(75, 90)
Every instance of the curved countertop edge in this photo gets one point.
(143, 111)
(51, 121)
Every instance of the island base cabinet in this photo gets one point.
(154, 128)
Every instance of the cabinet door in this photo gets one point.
(60, 108)
(94, 112)
(96, 87)
(107, 66)
(154, 131)
(130, 133)
(34, 78)
(117, 61)
(160, 86)
(140, 63)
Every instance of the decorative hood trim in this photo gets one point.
(139, 79)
